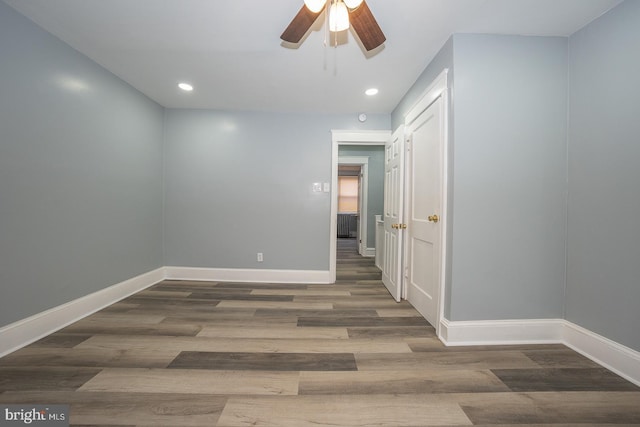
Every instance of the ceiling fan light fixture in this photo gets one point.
(315, 6)
(338, 16)
(353, 4)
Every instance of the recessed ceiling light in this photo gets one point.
(185, 86)
(372, 91)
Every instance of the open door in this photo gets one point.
(393, 215)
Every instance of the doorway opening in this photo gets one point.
(353, 149)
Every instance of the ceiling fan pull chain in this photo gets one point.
(327, 35)
(335, 41)
(335, 54)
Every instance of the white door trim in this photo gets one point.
(363, 162)
(435, 89)
(346, 137)
(438, 88)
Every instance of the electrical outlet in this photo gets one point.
(260, 258)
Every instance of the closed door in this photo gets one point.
(393, 207)
(423, 245)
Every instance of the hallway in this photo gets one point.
(186, 353)
(351, 266)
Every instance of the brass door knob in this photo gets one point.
(433, 218)
(395, 226)
(402, 226)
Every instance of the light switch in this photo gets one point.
(317, 187)
(327, 187)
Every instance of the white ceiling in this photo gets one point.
(231, 52)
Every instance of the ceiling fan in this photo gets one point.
(342, 13)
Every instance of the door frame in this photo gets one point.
(345, 137)
(438, 88)
(363, 198)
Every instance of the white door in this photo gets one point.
(393, 206)
(424, 194)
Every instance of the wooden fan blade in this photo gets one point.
(300, 25)
(366, 27)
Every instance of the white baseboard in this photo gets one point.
(248, 275)
(369, 252)
(616, 357)
(23, 332)
(501, 332)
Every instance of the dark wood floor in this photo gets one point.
(232, 354)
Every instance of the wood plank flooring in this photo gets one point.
(185, 353)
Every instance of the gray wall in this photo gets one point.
(509, 196)
(603, 275)
(238, 183)
(442, 60)
(375, 184)
(518, 250)
(507, 174)
(80, 174)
